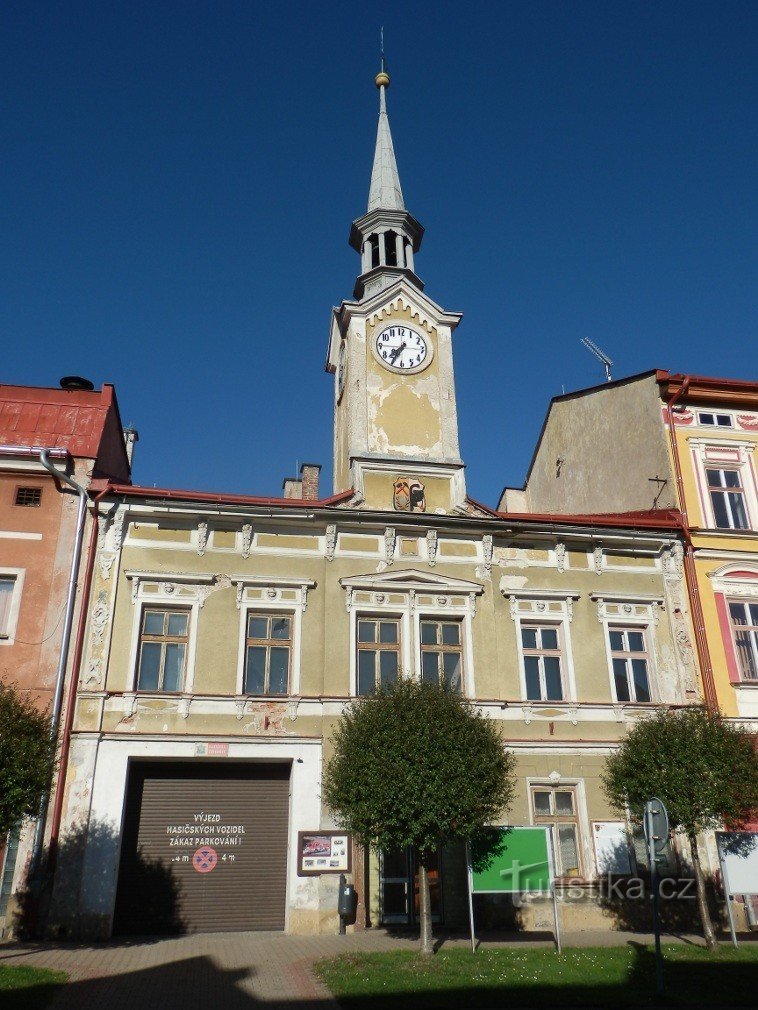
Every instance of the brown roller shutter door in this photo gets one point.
(204, 848)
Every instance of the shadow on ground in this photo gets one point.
(198, 984)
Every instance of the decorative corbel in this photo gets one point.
(247, 539)
(135, 589)
(573, 711)
(202, 537)
(348, 599)
(513, 607)
(130, 704)
(389, 544)
(487, 549)
(472, 603)
(184, 705)
(239, 704)
(431, 546)
(560, 557)
(527, 710)
(240, 591)
(303, 598)
(330, 543)
(597, 560)
(106, 563)
(570, 609)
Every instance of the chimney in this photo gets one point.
(309, 478)
(292, 487)
(131, 437)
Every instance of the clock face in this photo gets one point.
(402, 349)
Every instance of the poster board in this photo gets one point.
(738, 853)
(323, 852)
(512, 860)
(611, 844)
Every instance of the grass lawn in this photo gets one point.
(28, 988)
(591, 976)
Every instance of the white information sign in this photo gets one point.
(738, 851)
(611, 843)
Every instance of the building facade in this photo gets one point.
(81, 429)
(694, 447)
(226, 635)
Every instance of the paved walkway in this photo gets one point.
(233, 971)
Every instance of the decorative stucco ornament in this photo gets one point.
(560, 557)
(431, 546)
(202, 538)
(389, 544)
(247, 539)
(487, 549)
(597, 558)
(331, 541)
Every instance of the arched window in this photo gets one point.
(390, 249)
(374, 243)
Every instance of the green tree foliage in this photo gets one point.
(417, 764)
(704, 770)
(26, 757)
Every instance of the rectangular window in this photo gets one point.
(7, 587)
(30, 497)
(162, 649)
(630, 661)
(557, 808)
(268, 651)
(728, 499)
(744, 620)
(378, 653)
(442, 653)
(710, 420)
(543, 657)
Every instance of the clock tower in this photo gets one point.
(391, 354)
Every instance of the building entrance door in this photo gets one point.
(400, 891)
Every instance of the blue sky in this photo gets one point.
(179, 179)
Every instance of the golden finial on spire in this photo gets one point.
(382, 79)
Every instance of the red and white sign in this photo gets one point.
(205, 859)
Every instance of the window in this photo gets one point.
(7, 588)
(378, 653)
(543, 653)
(30, 497)
(268, 649)
(557, 808)
(629, 659)
(715, 420)
(441, 653)
(744, 621)
(728, 499)
(162, 649)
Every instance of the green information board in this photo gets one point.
(512, 860)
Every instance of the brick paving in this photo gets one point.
(233, 971)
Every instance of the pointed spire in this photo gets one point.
(385, 192)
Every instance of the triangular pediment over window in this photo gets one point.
(410, 579)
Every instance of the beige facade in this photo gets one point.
(230, 633)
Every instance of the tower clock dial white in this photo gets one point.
(402, 349)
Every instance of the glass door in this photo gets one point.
(400, 891)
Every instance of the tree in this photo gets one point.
(26, 757)
(416, 764)
(704, 770)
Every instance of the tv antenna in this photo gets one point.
(601, 355)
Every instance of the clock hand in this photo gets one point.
(396, 352)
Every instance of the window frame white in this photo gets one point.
(191, 595)
(8, 637)
(725, 454)
(413, 587)
(271, 594)
(752, 629)
(556, 781)
(638, 613)
(545, 607)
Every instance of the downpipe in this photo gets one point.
(55, 715)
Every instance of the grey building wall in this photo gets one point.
(599, 450)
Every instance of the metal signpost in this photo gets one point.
(513, 860)
(738, 858)
(656, 825)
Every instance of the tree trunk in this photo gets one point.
(425, 908)
(702, 900)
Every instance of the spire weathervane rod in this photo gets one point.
(382, 64)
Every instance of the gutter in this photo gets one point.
(693, 591)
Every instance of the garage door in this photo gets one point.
(204, 848)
